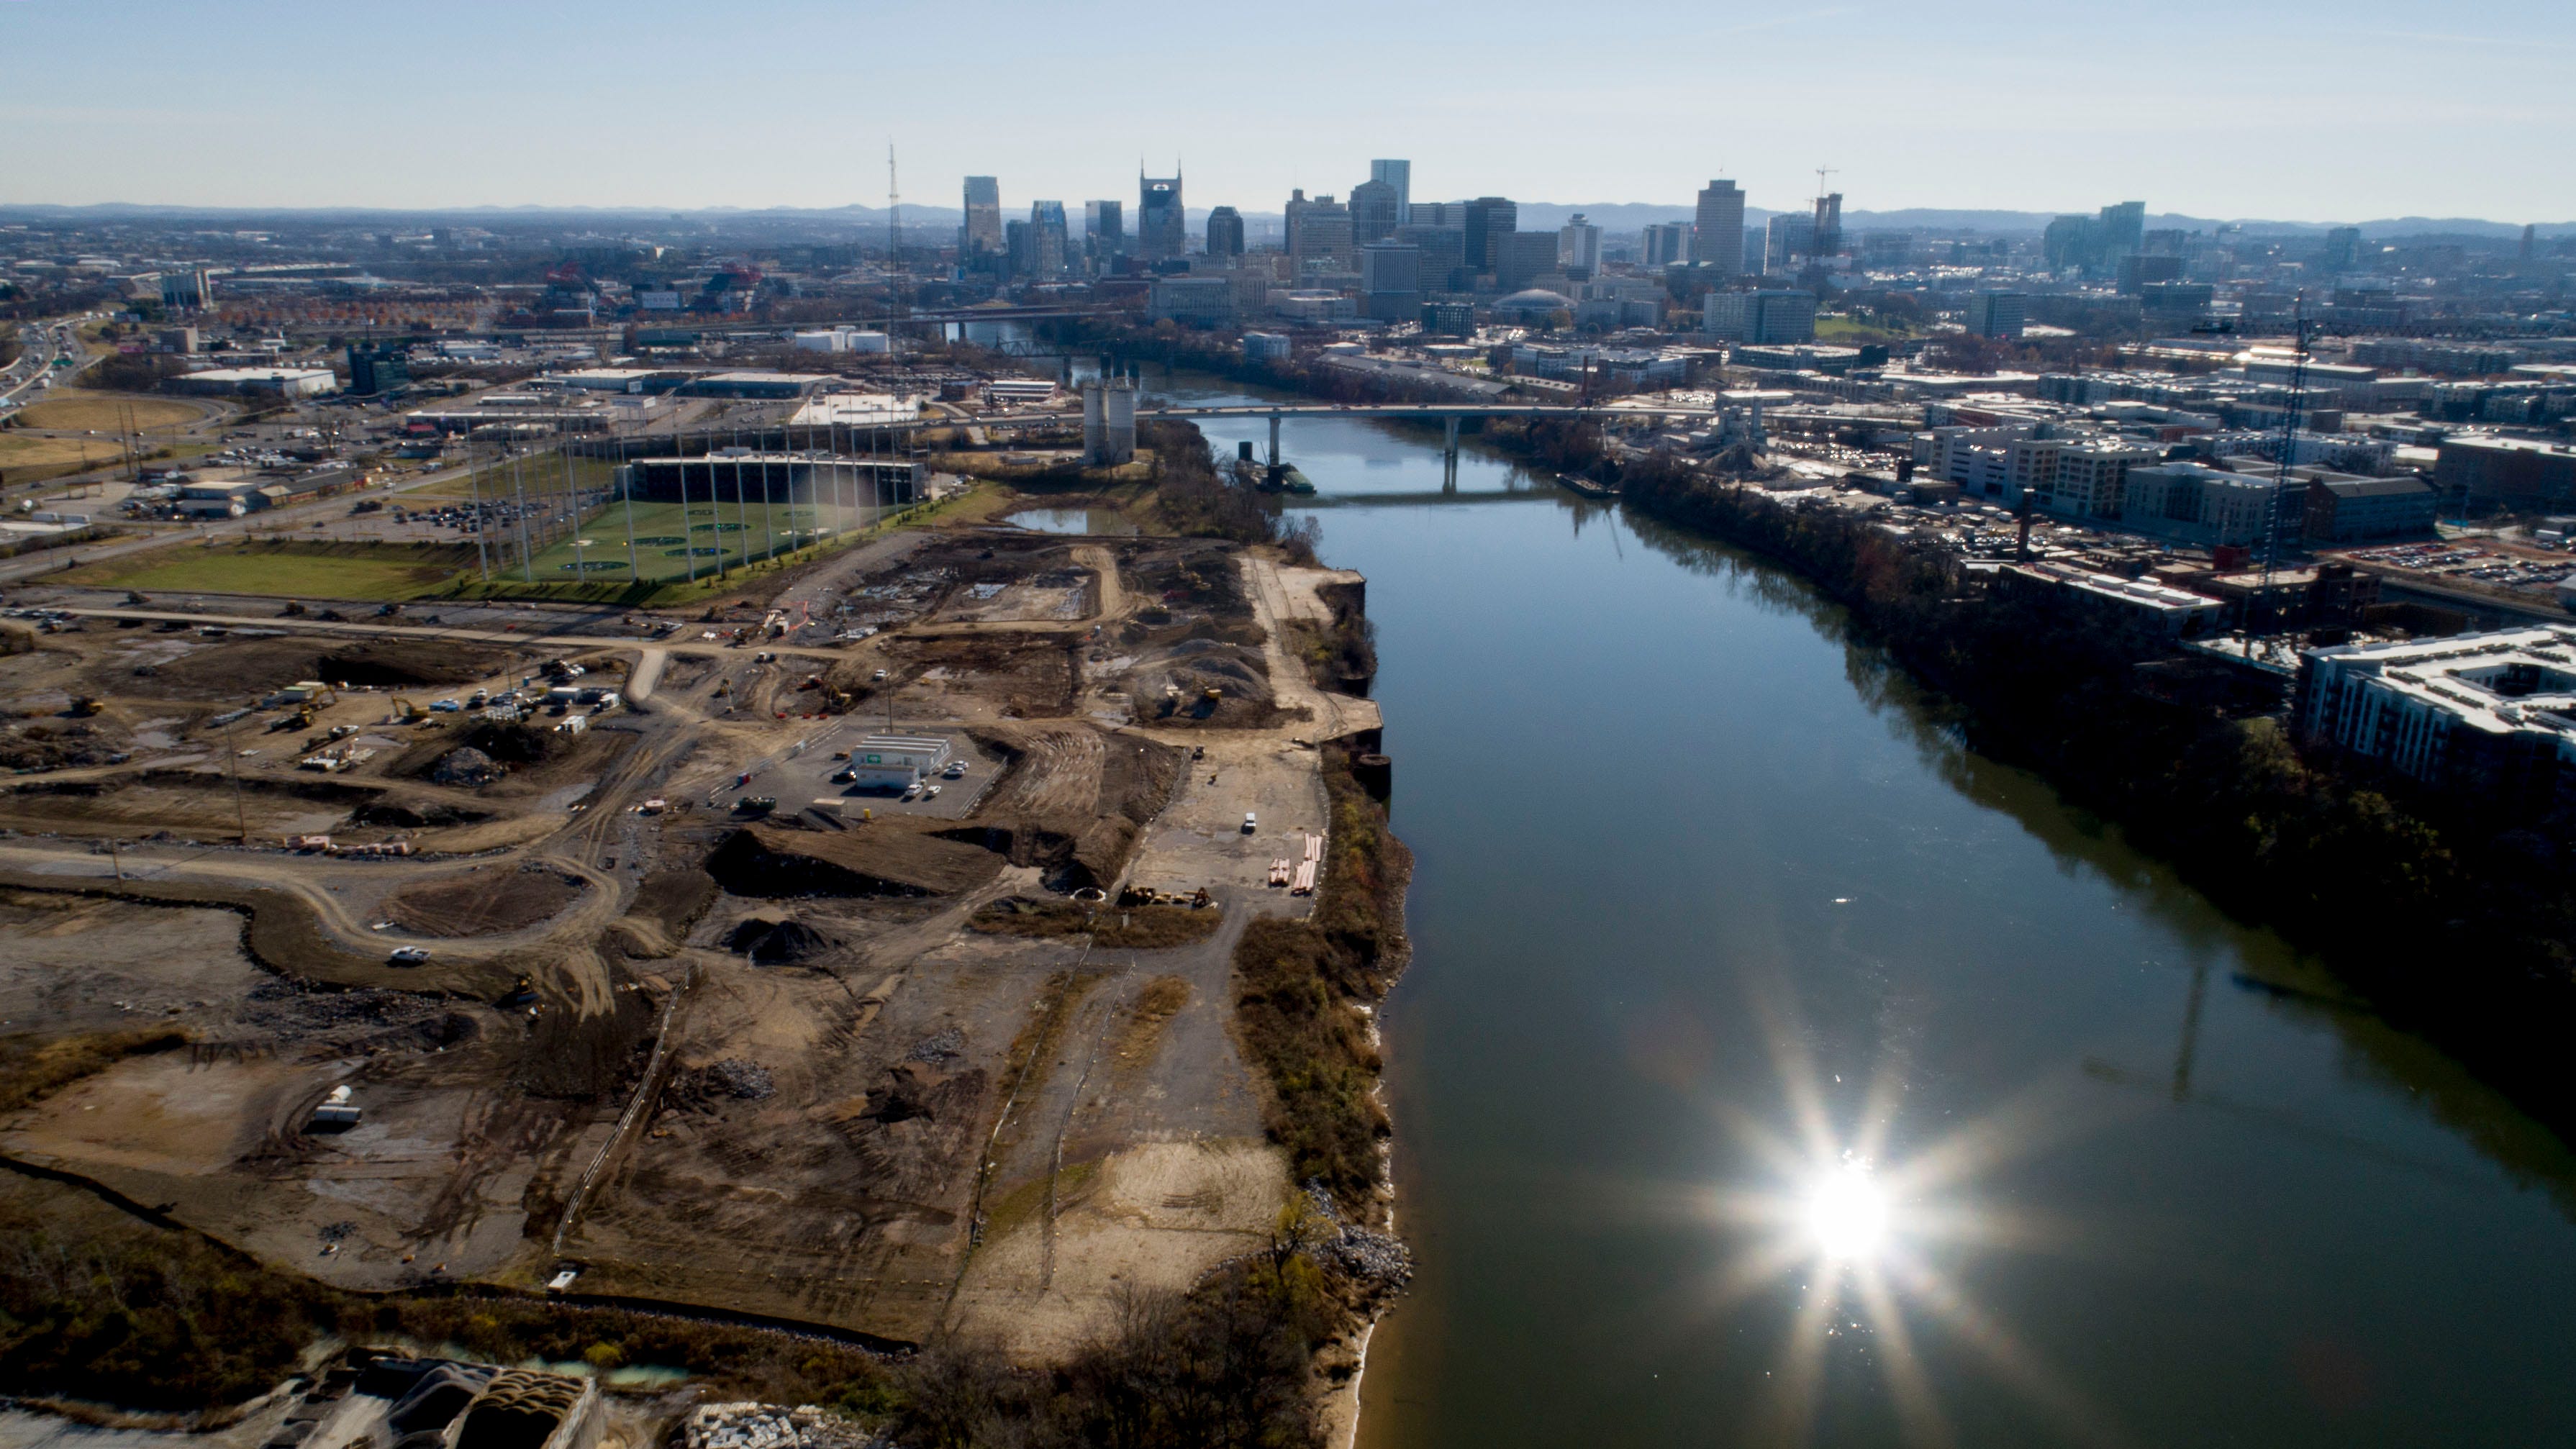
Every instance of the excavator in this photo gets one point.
(85, 705)
(406, 712)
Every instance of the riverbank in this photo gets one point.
(2457, 927)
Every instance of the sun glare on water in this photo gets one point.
(1846, 1213)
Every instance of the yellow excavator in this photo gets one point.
(85, 705)
(406, 712)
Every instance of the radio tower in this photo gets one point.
(894, 214)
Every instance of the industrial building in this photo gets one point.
(292, 382)
(2492, 716)
(1108, 422)
(779, 478)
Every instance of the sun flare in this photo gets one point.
(1846, 1213)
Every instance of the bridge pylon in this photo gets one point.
(1274, 437)
(1449, 456)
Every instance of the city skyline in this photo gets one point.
(453, 120)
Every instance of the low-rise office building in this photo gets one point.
(2364, 510)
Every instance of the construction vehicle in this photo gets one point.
(84, 705)
(406, 712)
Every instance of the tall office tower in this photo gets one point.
(1437, 213)
(1488, 217)
(1443, 267)
(1997, 313)
(1828, 230)
(1162, 228)
(1319, 234)
(1522, 257)
(1398, 174)
(1717, 234)
(1104, 229)
(2530, 238)
(1390, 281)
(1375, 211)
(1667, 242)
(982, 232)
(1578, 247)
(1019, 250)
(2123, 230)
(2069, 241)
(1791, 240)
(1047, 238)
(1225, 232)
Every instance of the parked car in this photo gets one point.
(409, 956)
(1251, 822)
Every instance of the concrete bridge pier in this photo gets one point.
(1274, 438)
(1449, 456)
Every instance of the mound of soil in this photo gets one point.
(50, 746)
(879, 860)
(482, 903)
(1173, 683)
(1136, 928)
(467, 767)
(777, 943)
(415, 816)
(401, 663)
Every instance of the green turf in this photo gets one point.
(308, 570)
(383, 572)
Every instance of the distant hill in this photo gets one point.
(1611, 216)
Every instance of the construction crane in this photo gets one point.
(2301, 330)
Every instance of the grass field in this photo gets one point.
(384, 572)
(108, 413)
(294, 569)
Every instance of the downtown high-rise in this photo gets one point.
(1717, 233)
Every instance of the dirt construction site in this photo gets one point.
(856, 953)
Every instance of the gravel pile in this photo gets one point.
(939, 1049)
(769, 1426)
(1369, 1256)
(468, 766)
(738, 1078)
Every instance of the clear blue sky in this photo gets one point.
(2297, 110)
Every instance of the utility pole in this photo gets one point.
(474, 488)
(518, 488)
(232, 760)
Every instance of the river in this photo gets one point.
(1774, 1069)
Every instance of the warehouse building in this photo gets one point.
(290, 382)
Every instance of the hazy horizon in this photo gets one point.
(658, 107)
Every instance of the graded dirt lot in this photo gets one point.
(609, 994)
